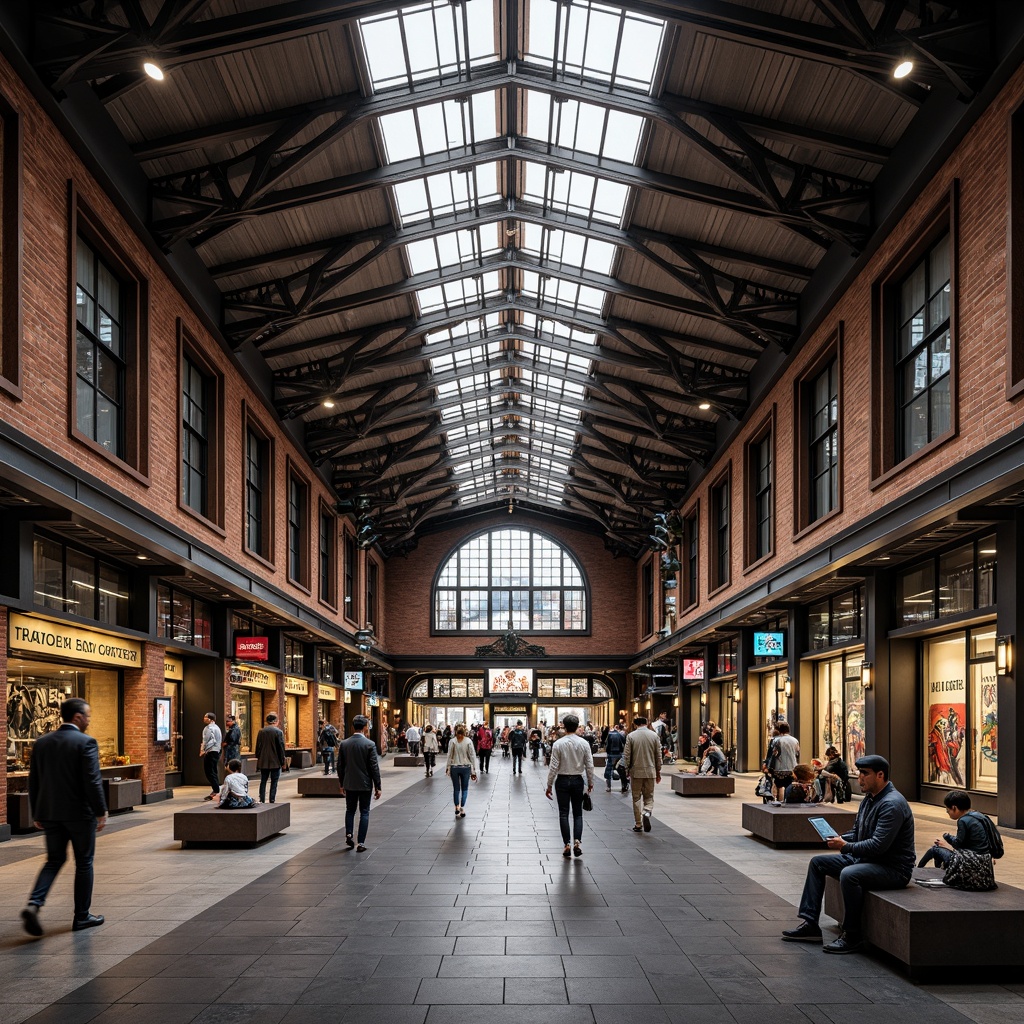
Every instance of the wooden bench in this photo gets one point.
(300, 757)
(122, 794)
(319, 785)
(930, 931)
(788, 825)
(250, 825)
(686, 784)
(408, 761)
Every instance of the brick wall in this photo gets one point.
(140, 687)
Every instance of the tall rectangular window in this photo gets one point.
(259, 491)
(691, 560)
(823, 442)
(196, 389)
(327, 567)
(721, 566)
(647, 599)
(923, 351)
(99, 352)
(298, 530)
(10, 249)
(351, 568)
(760, 490)
(372, 618)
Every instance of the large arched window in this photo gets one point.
(510, 574)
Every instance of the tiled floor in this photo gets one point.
(676, 926)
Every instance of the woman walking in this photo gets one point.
(461, 767)
(445, 738)
(430, 746)
(571, 759)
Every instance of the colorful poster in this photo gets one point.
(510, 680)
(946, 711)
(986, 725)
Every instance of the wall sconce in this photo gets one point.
(788, 684)
(675, 703)
(1004, 656)
(636, 707)
(735, 696)
(703, 699)
(865, 674)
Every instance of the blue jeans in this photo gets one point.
(360, 797)
(82, 836)
(327, 755)
(609, 770)
(517, 759)
(569, 791)
(460, 783)
(855, 878)
(273, 774)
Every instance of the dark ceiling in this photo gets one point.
(514, 252)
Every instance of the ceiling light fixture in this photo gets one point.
(704, 406)
(903, 68)
(328, 403)
(153, 70)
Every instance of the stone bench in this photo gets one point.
(930, 931)
(686, 784)
(250, 825)
(788, 825)
(408, 761)
(319, 785)
(300, 757)
(122, 794)
(600, 760)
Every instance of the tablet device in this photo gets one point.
(823, 828)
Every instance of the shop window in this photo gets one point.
(202, 432)
(182, 617)
(298, 529)
(966, 582)
(838, 620)
(839, 708)
(817, 476)
(726, 657)
(510, 575)
(325, 667)
(247, 707)
(10, 250)
(915, 595)
(915, 349)
(372, 585)
(351, 569)
(259, 491)
(291, 720)
(420, 690)
(327, 557)
(294, 657)
(760, 462)
(109, 381)
(647, 599)
(721, 565)
(601, 691)
(73, 581)
(691, 559)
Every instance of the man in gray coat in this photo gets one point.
(358, 776)
(642, 758)
(270, 757)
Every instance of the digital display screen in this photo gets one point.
(769, 645)
(162, 717)
(693, 668)
(353, 680)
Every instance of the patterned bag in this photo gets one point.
(970, 871)
(764, 787)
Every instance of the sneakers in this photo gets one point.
(846, 943)
(89, 921)
(349, 841)
(567, 852)
(30, 920)
(647, 821)
(804, 932)
(638, 828)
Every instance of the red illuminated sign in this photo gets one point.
(693, 668)
(252, 648)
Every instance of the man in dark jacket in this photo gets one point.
(517, 740)
(270, 757)
(359, 775)
(66, 796)
(877, 853)
(232, 743)
(614, 746)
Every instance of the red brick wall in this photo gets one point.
(611, 580)
(980, 165)
(140, 687)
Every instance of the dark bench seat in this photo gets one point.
(788, 825)
(319, 785)
(300, 757)
(408, 761)
(932, 930)
(249, 825)
(703, 785)
(122, 794)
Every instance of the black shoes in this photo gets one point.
(360, 848)
(647, 821)
(577, 850)
(30, 919)
(805, 932)
(349, 841)
(637, 828)
(567, 852)
(89, 921)
(846, 943)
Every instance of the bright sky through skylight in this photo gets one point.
(583, 127)
(438, 127)
(575, 192)
(447, 192)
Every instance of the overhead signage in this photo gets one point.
(510, 680)
(174, 669)
(253, 678)
(326, 692)
(48, 636)
(693, 669)
(353, 680)
(252, 648)
(372, 700)
(297, 687)
(769, 645)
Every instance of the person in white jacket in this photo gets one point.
(430, 748)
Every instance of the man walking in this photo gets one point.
(877, 853)
(328, 742)
(66, 795)
(571, 773)
(517, 740)
(615, 743)
(412, 737)
(642, 758)
(359, 776)
(232, 743)
(209, 751)
(270, 757)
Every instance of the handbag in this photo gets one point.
(764, 786)
(588, 804)
(621, 770)
(970, 871)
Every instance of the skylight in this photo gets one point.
(567, 249)
(448, 192)
(575, 192)
(583, 127)
(438, 127)
(454, 249)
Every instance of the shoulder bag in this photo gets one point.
(970, 871)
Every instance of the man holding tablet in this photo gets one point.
(877, 853)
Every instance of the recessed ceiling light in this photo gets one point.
(328, 403)
(142, 558)
(903, 69)
(705, 406)
(153, 70)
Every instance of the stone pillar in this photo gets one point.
(141, 685)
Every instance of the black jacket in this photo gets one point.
(64, 777)
(270, 747)
(971, 834)
(357, 764)
(517, 739)
(884, 831)
(615, 743)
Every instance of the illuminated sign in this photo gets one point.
(252, 648)
(326, 692)
(510, 680)
(769, 645)
(353, 680)
(46, 636)
(693, 668)
(253, 678)
(299, 687)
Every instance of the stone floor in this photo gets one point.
(677, 925)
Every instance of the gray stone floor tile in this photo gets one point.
(467, 991)
(503, 966)
(536, 991)
(584, 966)
(614, 989)
(241, 1013)
(177, 990)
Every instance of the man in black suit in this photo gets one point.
(358, 775)
(67, 801)
(270, 757)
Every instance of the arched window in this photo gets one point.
(510, 575)
(602, 691)
(421, 690)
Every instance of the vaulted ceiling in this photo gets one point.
(523, 253)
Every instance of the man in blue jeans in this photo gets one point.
(358, 771)
(877, 853)
(613, 748)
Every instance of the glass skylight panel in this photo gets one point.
(595, 40)
(543, 355)
(435, 195)
(427, 40)
(575, 192)
(450, 250)
(564, 293)
(438, 127)
(568, 249)
(582, 127)
(462, 292)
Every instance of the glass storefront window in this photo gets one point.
(853, 695)
(945, 704)
(984, 725)
(839, 708)
(172, 689)
(294, 663)
(726, 657)
(818, 626)
(915, 595)
(987, 571)
(247, 707)
(325, 667)
(846, 617)
(773, 704)
(956, 581)
(291, 720)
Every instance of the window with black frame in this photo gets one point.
(195, 436)
(720, 546)
(69, 580)
(823, 442)
(953, 583)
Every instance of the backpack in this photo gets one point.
(329, 737)
(485, 739)
(995, 840)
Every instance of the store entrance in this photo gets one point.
(501, 721)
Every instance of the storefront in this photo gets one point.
(253, 696)
(174, 678)
(297, 709)
(839, 712)
(327, 704)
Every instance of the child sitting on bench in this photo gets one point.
(234, 793)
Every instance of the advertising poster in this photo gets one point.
(945, 712)
(510, 680)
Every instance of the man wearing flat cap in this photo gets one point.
(877, 853)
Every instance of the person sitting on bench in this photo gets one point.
(971, 833)
(234, 793)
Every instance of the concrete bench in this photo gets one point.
(930, 931)
(408, 761)
(788, 825)
(300, 757)
(319, 785)
(686, 784)
(600, 760)
(250, 825)
(122, 794)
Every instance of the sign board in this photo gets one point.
(509, 680)
(353, 680)
(162, 719)
(326, 692)
(372, 700)
(298, 687)
(348, 696)
(174, 669)
(48, 636)
(253, 678)
(252, 648)
(693, 668)
(769, 645)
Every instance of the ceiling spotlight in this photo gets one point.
(905, 66)
(153, 70)
(328, 403)
(704, 406)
